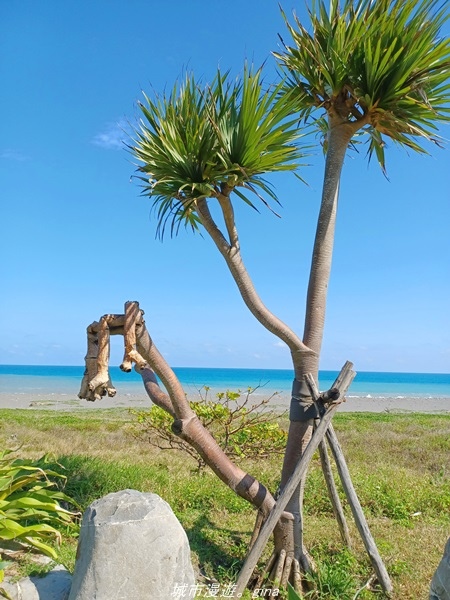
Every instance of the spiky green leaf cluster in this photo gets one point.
(200, 140)
(30, 506)
(377, 60)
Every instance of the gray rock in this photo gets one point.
(53, 586)
(440, 584)
(131, 547)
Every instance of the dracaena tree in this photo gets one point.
(374, 68)
(201, 148)
(377, 69)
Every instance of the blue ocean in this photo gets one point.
(42, 380)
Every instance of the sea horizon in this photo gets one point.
(66, 379)
(82, 366)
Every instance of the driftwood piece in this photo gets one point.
(289, 489)
(90, 361)
(96, 381)
(133, 314)
(102, 377)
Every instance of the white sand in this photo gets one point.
(128, 400)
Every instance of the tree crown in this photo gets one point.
(203, 141)
(378, 63)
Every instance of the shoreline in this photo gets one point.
(127, 399)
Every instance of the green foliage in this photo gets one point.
(242, 430)
(292, 594)
(200, 141)
(334, 579)
(3, 592)
(383, 63)
(378, 446)
(30, 508)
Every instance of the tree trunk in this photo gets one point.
(302, 412)
(305, 354)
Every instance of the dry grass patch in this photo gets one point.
(101, 433)
(400, 466)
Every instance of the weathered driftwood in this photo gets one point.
(96, 380)
(252, 558)
(132, 315)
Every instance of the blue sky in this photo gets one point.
(77, 239)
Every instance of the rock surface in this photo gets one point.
(53, 586)
(131, 547)
(440, 584)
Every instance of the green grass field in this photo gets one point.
(400, 465)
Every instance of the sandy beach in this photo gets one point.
(66, 401)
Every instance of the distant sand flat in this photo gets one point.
(126, 400)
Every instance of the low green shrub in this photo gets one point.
(31, 505)
(242, 430)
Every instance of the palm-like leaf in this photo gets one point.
(199, 141)
(382, 62)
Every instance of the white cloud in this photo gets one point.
(11, 154)
(113, 136)
(280, 344)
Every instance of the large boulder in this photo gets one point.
(131, 547)
(440, 584)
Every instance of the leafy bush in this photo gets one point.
(30, 506)
(242, 430)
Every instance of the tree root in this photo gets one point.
(282, 568)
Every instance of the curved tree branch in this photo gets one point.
(247, 290)
(228, 216)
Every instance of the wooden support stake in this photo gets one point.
(285, 496)
(334, 496)
(339, 389)
(358, 514)
(345, 378)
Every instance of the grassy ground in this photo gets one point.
(400, 465)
